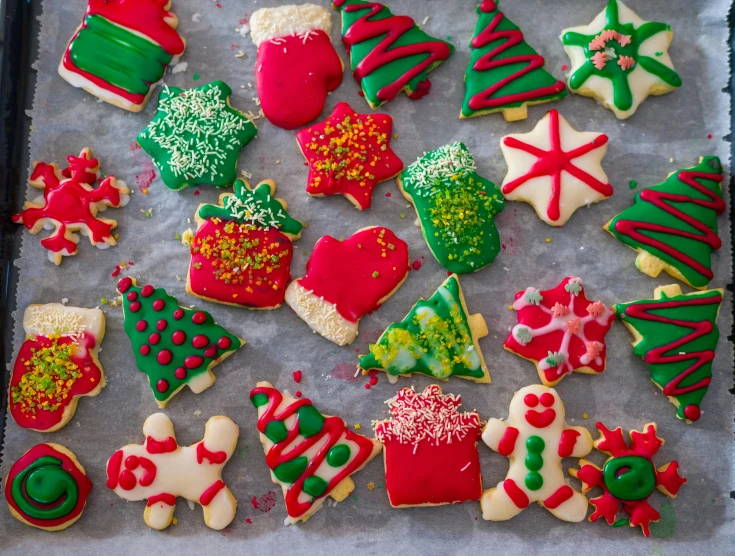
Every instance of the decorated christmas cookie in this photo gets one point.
(310, 455)
(297, 65)
(438, 338)
(56, 365)
(505, 73)
(69, 205)
(629, 477)
(196, 136)
(619, 59)
(347, 279)
(456, 208)
(241, 253)
(388, 53)
(430, 449)
(175, 347)
(47, 488)
(560, 330)
(555, 168)
(121, 50)
(673, 225)
(676, 335)
(159, 470)
(535, 438)
(349, 154)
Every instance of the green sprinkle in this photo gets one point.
(196, 77)
(633, 184)
(178, 236)
(659, 53)
(620, 523)
(104, 300)
(376, 274)
(402, 215)
(391, 246)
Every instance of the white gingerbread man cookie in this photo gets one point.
(159, 470)
(535, 438)
(555, 168)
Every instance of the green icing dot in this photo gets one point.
(276, 431)
(535, 444)
(315, 486)
(339, 455)
(534, 462)
(259, 399)
(289, 471)
(310, 421)
(629, 477)
(534, 481)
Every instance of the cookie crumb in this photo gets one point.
(548, 240)
(357, 426)
(371, 486)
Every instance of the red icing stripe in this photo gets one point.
(209, 494)
(113, 469)
(213, 457)
(567, 442)
(508, 441)
(559, 497)
(164, 497)
(518, 497)
(150, 472)
(101, 83)
(153, 446)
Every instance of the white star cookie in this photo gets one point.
(619, 59)
(555, 168)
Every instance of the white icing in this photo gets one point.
(55, 318)
(320, 314)
(272, 23)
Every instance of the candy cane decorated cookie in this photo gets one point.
(70, 205)
(174, 346)
(160, 470)
(347, 279)
(121, 50)
(619, 59)
(430, 449)
(560, 330)
(297, 65)
(56, 365)
(310, 455)
(388, 53)
(241, 252)
(629, 477)
(438, 338)
(676, 335)
(47, 488)
(535, 438)
(456, 208)
(349, 154)
(196, 136)
(555, 168)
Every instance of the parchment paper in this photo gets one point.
(665, 134)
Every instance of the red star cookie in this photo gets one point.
(349, 154)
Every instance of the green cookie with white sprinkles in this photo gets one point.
(196, 137)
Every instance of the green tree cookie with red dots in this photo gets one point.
(174, 346)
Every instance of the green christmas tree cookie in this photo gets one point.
(174, 346)
(437, 338)
(455, 206)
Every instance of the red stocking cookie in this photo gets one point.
(56, 365)
(560, 330)
(160, 470)
(347, 279)
(297, 65)
(69, 205)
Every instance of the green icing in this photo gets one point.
(44, 490)
(162, 377)
(315, 486)
(508, 83)
(196, 136)
(289, 471)
(622, 95)
(456, 208)
(259, 399)
(276, 431)
(253, 206)
(433, 339)
(534, 462)
(118, 56)
(690, 256)
(310, 420)
(629, 477)
(339, 455)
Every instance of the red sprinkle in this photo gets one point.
(709, 136)
(367, 387)
(116, 272)
(298, 393)
(297, 376)
(131, 263)
(373, 380)
(416, 264)
(388, 194)
(197, 192)
(248, 520)
(564, 67)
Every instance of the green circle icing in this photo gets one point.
(534, 462)
(259, 399)
(310, 421)
(45, 483)
(535, 444)
(339, 455)
(534, 481)
(289, 471)
(276, 431)
(315, 486)
(629, 477)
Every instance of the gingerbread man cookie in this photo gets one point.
(297, 65)
(69, 205)
(160, 470)
(535, 438)
(56, 365)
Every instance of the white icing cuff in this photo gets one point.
(270, 23)
(320, 315)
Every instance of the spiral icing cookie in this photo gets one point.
(347, 279)
(56, 365)
(47, 488)
(241, 252)
(297, 65)
(619, 59)
(121, 50)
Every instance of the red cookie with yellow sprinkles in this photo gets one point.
(349, 154)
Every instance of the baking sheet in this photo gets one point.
(665, 134)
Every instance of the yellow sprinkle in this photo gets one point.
(175, 521)
(357, 426)
(584, 416)
(371, 486)
(510, 307)
(395, 136)
(548, 240)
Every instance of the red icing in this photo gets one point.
(180, 373)
(124, 285)
(667, 203)
(199, 317)
(209, 494)
(540, 419)
(200, 341)
(547, 399)
(224, 342)
(141, 325)
(159, 304)
(43, 419)
(161, 325)
(193, 362)
(153, 446)
(178, 314)
(127, 480)
(529, 63)
(561, 495)
(145, 349)
(212, 457)
(293, 76)
(531, 400)
(297, 376)
(342, 273)
(567, 442)
(164, 356)
(113, 469)
(150, 472)
(168, 499)
(154, 339)
(147, 290)
(517, 496)
(178, 337)
(508, 441)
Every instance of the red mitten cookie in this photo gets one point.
(347, 279)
